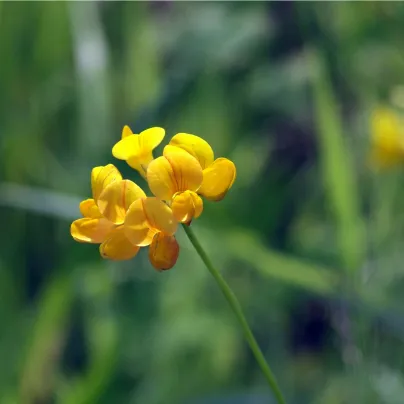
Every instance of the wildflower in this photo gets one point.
(218, 175)
(149, 221)
(104, 214)
(175, 178)
(387, 129)
(137, 149)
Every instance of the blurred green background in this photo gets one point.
(310, 237)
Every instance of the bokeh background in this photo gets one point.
(310, 236)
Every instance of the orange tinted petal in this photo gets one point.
(137, 228)
(147, 216)
(159, 215)
(101, 177)
(186, 206)
(198, 204)
(160, 177)
(88, 208)
(116, 199)
(117, 246)
(163, 251)
(218, 179)
(89, 230)
(195, 146)
(187, 171)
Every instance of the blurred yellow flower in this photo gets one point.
(104, 214)
(387, 129)
(137, 149)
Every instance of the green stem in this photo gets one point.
(235, 305)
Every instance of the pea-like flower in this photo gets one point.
(137, 149)
(149, 221)
(122, 219)
(218, 175)
(104, 214)
(175, 178)
(387, 130)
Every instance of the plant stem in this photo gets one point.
(235, 305)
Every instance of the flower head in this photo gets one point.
(175, 178)
(137, 149)
(387, 129)
(122, 219)
(104, 214)
(218, 175)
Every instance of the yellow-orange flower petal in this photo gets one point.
(387, 128)
(163, 251)
(128, 146)
(126, 131)
(186, 206)
(195, 146)
(89, 230)
(117, 246)
(147, 216)
(218, 179)
(150, 138)
(176, 171)
(103, 176)
(88, 208)
(137, 228)
(116, 199)
(138, 147)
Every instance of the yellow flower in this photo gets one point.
(122, 219)
(387, 128)
(175, 178)
(218, 175)
(104, 214)
(137, 150)
(149, 221)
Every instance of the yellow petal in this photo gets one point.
(137, 146)
(186, 206)
(147, 216)
(126, 131)
(88, 208)
(159, 215)
(149, 139)
(137, 228)
(117, 246)
(89, 230)
(198, 204)
(116, 199)
(218, 179)
(126, 148)
(195, 146)
(160, 177)
(103, 176)
(187, 171)
(387, 129)
(163, 251)
(387, 137)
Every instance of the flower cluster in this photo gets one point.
(121, 218)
